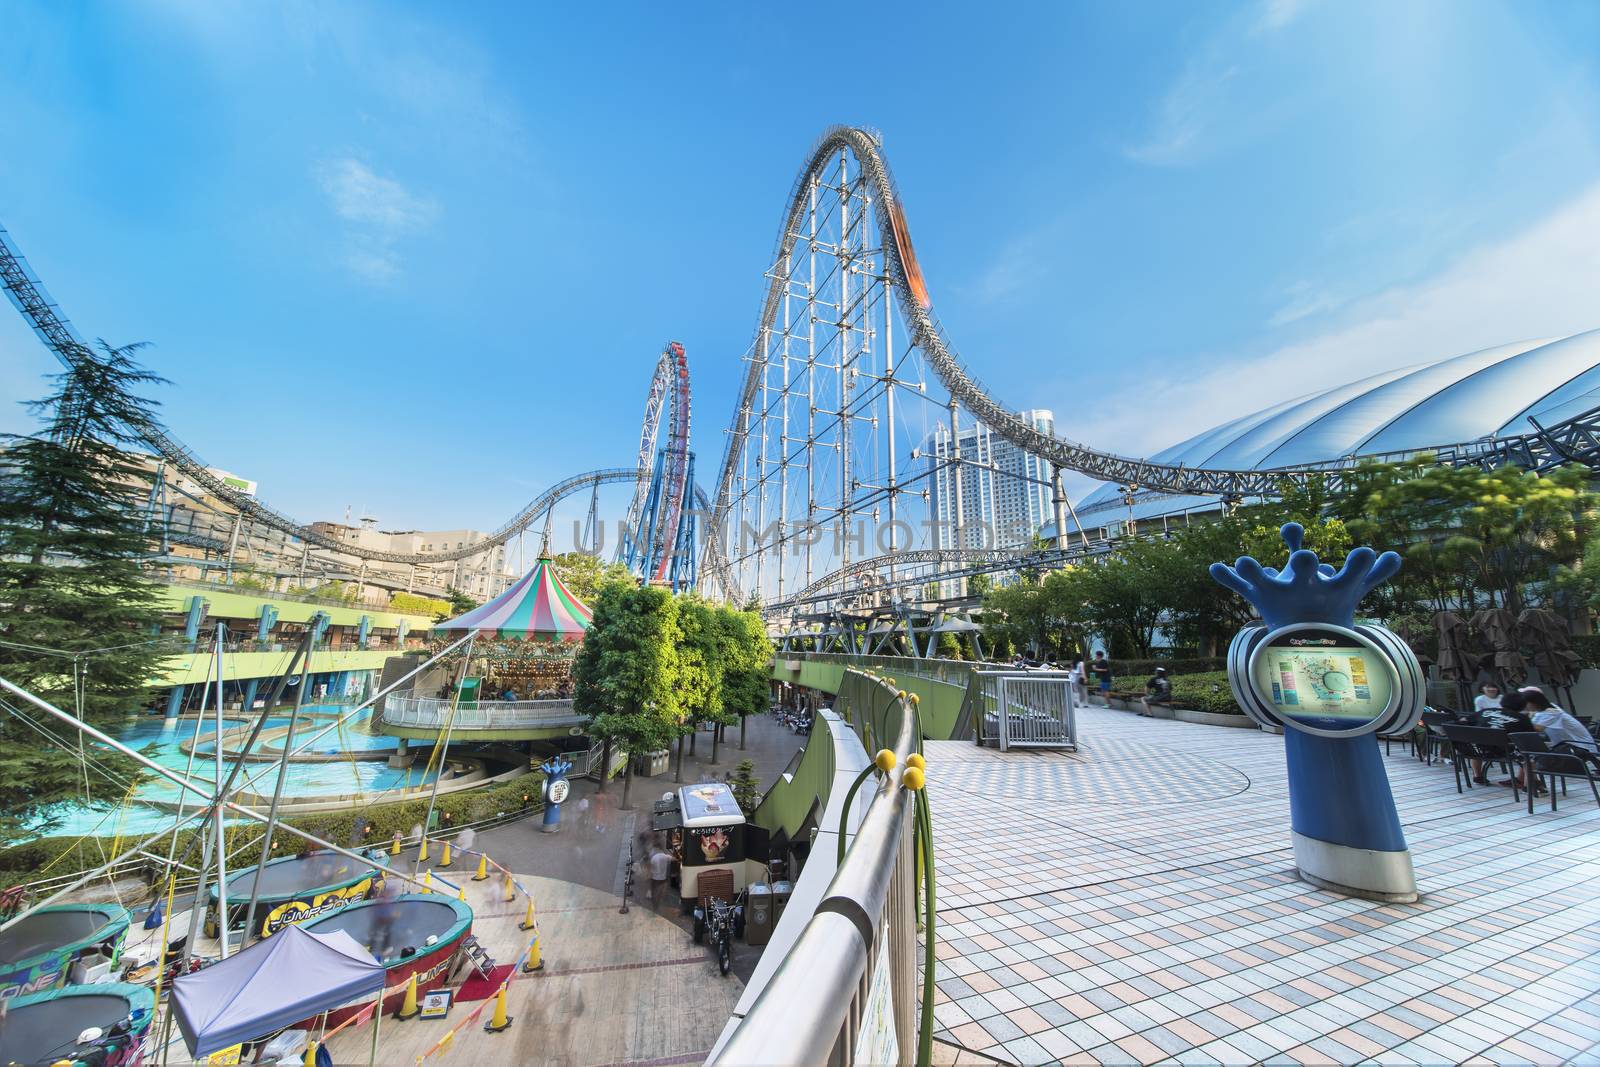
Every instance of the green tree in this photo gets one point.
(72, 537)
(1470, 537)
(460, 603)
(585, 573)
(746, 789)
(747, 667)
(700, 670)
(625, 675)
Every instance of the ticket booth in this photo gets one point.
(705, 831)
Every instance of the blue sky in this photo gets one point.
(419, 259)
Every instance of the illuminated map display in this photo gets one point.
(1323, 674)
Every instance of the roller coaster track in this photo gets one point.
(1577, 439)
(29, 298)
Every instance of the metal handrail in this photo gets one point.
(810, 1011)
(433, 713)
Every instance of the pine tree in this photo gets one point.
(73, 599)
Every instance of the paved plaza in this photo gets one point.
(1136, 902)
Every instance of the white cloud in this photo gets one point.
(361, 196)
(1276, 14)
(379, 211)
(1186, 114)
(1538, 283)
(1304, 301)
(1222, 94)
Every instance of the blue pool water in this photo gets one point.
(162, 743)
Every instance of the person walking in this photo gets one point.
(660, 871)
(1100, 667)
(1079, 680)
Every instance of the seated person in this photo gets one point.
(1487, 700)
(1561, 731)
(1158, 690)
(1511, 716)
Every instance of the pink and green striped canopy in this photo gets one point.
(538, 606)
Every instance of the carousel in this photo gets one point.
(525, 638)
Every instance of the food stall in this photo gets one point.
(704, 831)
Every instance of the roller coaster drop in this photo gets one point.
(812, 442)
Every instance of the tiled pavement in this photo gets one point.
(1136, 902)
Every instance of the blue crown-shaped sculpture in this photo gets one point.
(1307, 590)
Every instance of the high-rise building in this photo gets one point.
(1005, 492)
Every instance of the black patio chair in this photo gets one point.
(1543, 761)
(1481, 743)
(1408, 739)
(1433, 740)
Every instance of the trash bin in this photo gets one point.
(651, 764)
(781, 891)
(758, 917)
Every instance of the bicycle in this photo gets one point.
(719, 922)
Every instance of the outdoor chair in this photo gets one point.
(1542, 761)
(1432, 740)
(1408, 739)
(1477, 742)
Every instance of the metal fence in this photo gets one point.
(433, 713)
(1019, 709)
(851, 975)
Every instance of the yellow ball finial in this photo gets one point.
(912, 779)
(884, 760)
(915, 699)
(916, 760)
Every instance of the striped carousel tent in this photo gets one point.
(537, 607)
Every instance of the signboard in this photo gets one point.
(298, 911)
(1324, 679)
(558, 790)
(228, 1057)
(709, 804)
(435, 1004)
(1324, 672)
(876, 1043)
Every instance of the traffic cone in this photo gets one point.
(427, 881)
(408, 1007)
(511, 887)
(462, 895)
(483, 869)
(535, 960)
(394, 849)
(422, 857)
(444, 860)
(501, 1020)
(528, 923)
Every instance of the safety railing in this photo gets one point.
(846, 990)
(945, 670)
(432, 713)
(1022, 709)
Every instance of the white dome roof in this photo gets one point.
(1489, 393)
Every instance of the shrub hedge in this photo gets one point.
(1204, 691)
(55, 856)
(1144, 668)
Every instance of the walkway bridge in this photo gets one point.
(841, 970)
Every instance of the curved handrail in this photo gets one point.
(808, 1008)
